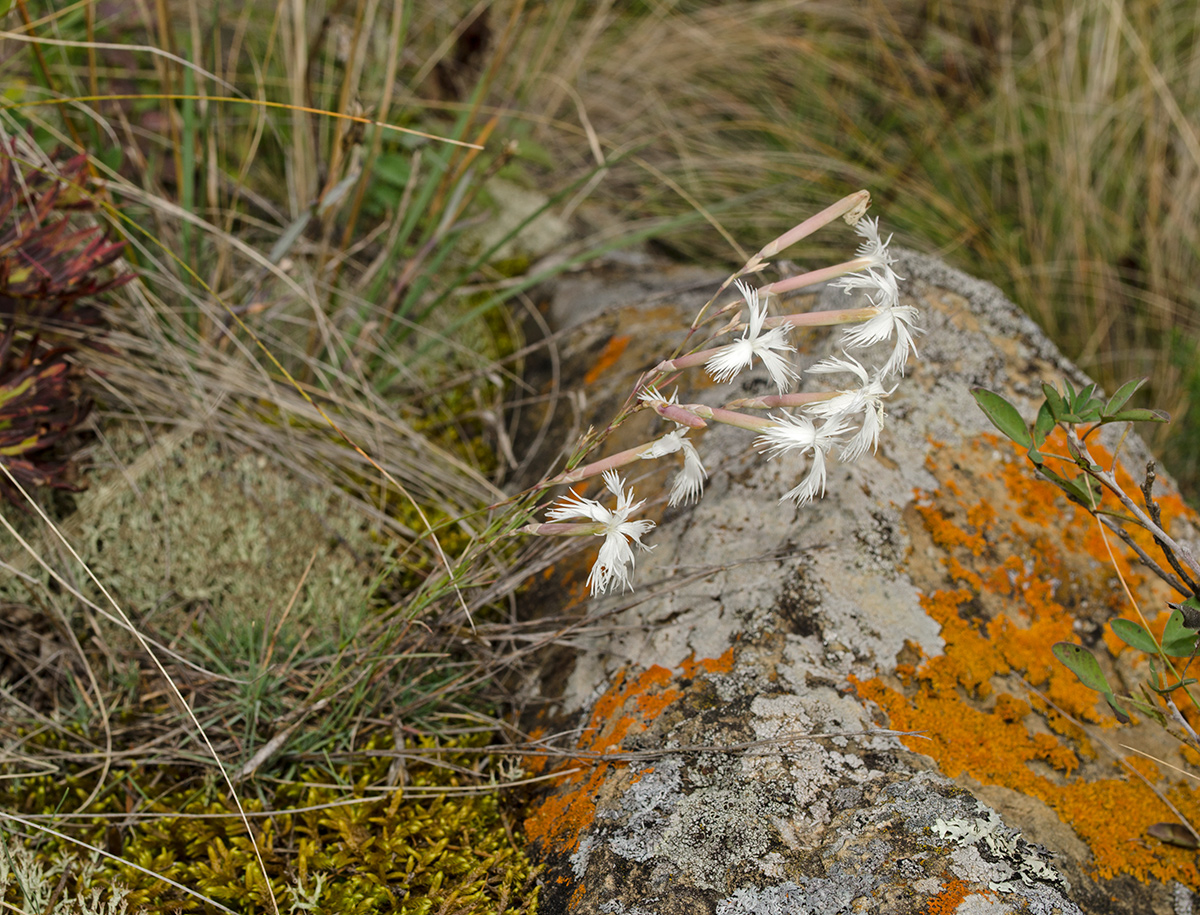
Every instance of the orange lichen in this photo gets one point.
(947, 901)
(1016, 558)
(626, 708)
(609, 356)
(722, 665)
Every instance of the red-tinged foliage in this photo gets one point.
(41, 401)
(51, 270)
(48, 267)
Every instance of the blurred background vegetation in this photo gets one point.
(300, 266)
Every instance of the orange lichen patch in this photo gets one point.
(1113, 816)
(609, 356)
(1114, 645)
(627, 708)
(1017, 563)
(966, 740)
(947, 901)
(535, 764)
(721, 665)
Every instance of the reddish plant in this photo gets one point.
(42, 400)
(48, 268)
(49, 278)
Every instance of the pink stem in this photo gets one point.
(594, 469)
(730, 418)
(686, 362)
(817, 276)
(678, 414)
(824, 318)
(562, 529)
(770, 401)
(857, 200)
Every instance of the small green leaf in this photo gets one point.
(1174, 834)
(1054, 401)
(1190, 609)
(1068, 391)
(1004, 416)
(1075, 491)
(1122, 715)
(1081, 663)
(1138, 416)
(1082, 459)
(1134, 635)
(1043, 425)
(1146, 709)
(1124, 392)
(1178, 641)
(1084, 395)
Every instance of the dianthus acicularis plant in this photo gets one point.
(848, 418)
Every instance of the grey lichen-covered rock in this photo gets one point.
(734, 753)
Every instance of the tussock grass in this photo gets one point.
(1053, 150)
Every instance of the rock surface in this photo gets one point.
(922, 594)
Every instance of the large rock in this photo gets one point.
(731, 753)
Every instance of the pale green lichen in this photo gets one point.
(30, 884)
(219, 541)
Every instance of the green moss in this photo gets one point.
(402, 851)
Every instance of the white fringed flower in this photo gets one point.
(615, 562)
(881, 285)
(689, 482)
(866, 402)
(799, 433)
(872, 247)
(729, 360)
(879, 279)
(893, 320)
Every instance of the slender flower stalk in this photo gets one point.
(824, 318)
(730, 417)
(813, 277)
(597, 468)
(848, 207)
(677, 414)
(560, 529)
(774, 401)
